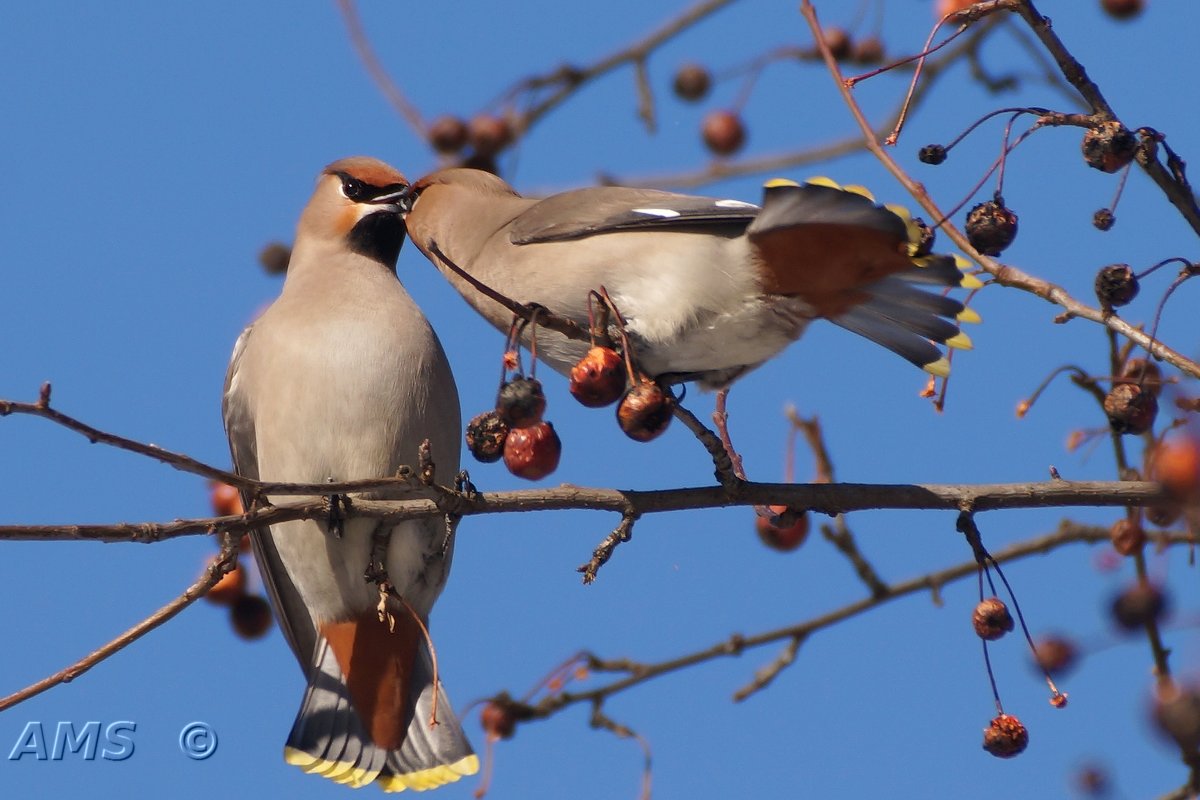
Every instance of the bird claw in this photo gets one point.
(336, 506)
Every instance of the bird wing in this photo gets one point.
(294, 619)
(606, 209)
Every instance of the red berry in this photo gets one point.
(226, 500)
(1005, 737)
(521, 402)
(485, 436)
(645, 411)
(1122, 9)
(991, 619)
(498, 720)
(692, 83)
(599, 378)
(783, 538)
(1176, 465)
(250, 616)
(724, 133)
(532, 453)
(447, 134)
(489, 134)
(231, 586)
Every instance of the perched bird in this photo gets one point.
(342, 378)
(709, 288)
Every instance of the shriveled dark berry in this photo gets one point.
(1005, 737)
(692, 83)
(1056, 655)
(489, 134)
(274, 258)
(1123, 9)
(1127, 536)
(1163, 516)
(1144, 373)
(1130, 409)
(1138, 605)
(1116, 286)
(1104, 219)
(932, 154)
(485, 436)
(991, 227)
(839, 43)
(1177, 713)
(448, 134)
(1109, 146)
(868, 51)
(521, 402)
(250, 616)
(645, 411)
(991, 619)
(498, 720)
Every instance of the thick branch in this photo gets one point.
(835, 498)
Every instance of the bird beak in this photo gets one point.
(399, 199)
(406, 197)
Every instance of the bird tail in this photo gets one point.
(330, 739)
(859, 265)
(911, 322)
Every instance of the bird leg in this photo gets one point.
(336, 506)
(721, 419)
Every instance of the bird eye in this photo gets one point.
(353, 188)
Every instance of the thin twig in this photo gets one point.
(225, 562)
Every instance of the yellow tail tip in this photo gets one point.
(960, 342)
(430, 778)
(970, 282)
(939, 368)
(969, 316)
(821, 180)
(861, 191)
(777, 182)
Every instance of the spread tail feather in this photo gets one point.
(328, 738)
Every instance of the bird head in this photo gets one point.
(358, 203)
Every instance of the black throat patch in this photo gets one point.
(378, 236)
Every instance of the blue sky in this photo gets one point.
(152, 149)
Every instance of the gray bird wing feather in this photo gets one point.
(294, 619)
(787, 206)
(606, 209)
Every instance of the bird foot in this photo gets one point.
(336, 506)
